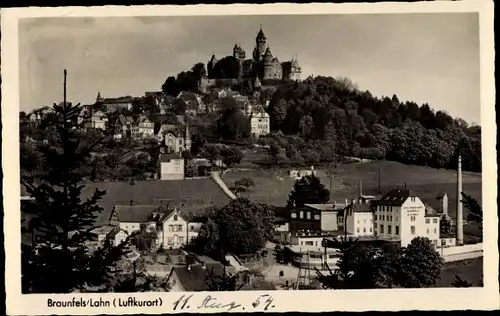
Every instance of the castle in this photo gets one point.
(261, 67)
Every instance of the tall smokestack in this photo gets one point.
(360, 188)
(460, 224)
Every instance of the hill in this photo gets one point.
(273, 186)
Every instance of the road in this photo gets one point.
(463, 256)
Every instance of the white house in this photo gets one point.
(98, 120)
(359, 219)
(403, 216)
(176, 231)
(143, 128)
(171, 167)
(131, 218)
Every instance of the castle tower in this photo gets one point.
(268, 65)
(295, 70)
(236, 51)
(260, 42)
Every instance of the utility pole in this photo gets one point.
(64, 87)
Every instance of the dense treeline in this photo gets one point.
(355, 123)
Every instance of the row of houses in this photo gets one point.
(398, 217)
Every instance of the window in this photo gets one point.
(371, 230)
(177, 162)
(180, 141)
(357, 230)
(427, 231)
(389, 229)
(397, 218)
(391, 218)
(301, 214)
(375, 217)
(181, 240)
(302, 243)
(397, 230)
(170, 228)
(308, 215)
(294, 215)
(435, 230)
(316, 216)
(435, 220)
(177, 169)
(331, 256)
(412, 218)
(427, 221)
(364, 229)
(435, 242)
(191, 228)
(169, 241)
(358, 221)
(381, 229)
(179, 228)
(412, 228)
(364, 221)
(175, 217)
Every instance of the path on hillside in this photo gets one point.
(215, 175)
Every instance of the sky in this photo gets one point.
(426, 58)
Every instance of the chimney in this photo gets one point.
(189, 267)
(460, 227)
(346, 202)
(131, 202)
(445, 204)
(360, 187)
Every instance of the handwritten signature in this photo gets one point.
(184, 303)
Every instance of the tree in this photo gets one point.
(420, 264)
(231, 156)
(274, 151)
(61, 262)
(227, 67)
(459, 282)
(223, 282)
(475, 213)
(212, 152)
(308, 190)
(241, 227)
(243, 185)
(234, 124)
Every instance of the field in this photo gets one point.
(470, 270)
(192, 196)
(273, 186)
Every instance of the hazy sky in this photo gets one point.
(431, 58)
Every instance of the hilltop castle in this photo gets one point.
(262, 66)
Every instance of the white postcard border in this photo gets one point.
(304, 301)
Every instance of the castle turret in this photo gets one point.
(295, 70)
(269, 65)
(99, 97)
(260, 42)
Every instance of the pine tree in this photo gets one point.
(61, 261)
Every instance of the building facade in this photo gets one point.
(143, 128)
(171, 167)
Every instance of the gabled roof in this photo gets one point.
(168, 157)
(360, 207)
(135, 213)
(194, 279)
(143, 119)
(123, 120)
(394, 197)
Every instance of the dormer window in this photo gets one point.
(175, 217)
